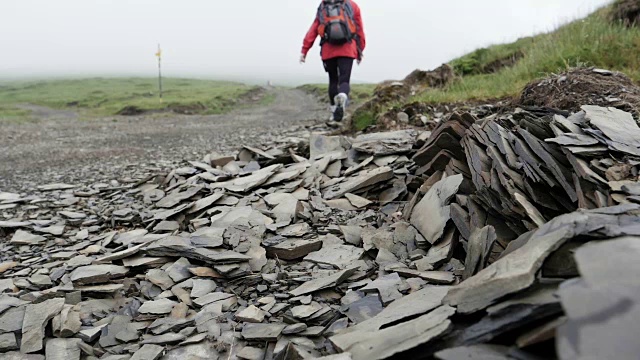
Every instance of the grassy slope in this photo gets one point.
(100, 97)
(593, 41)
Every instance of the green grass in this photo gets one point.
(593, 41)
(103, 97)
(363, 119)
(477, 61)
(13, 114)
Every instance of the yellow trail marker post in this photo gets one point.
(159, 55)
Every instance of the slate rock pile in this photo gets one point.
(482, 239)
(583, 86)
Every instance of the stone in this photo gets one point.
(247, 183)
(291, 249)
(214, 298)
(159, 307)
(55, 230)
(67, 323)
(202, 287)
(396, 339)
(432, 213)
(321, 144)
(72, 215)
(63, 349)
(95, 274)
(386, 143)
(13, 224)
(364, 179)
(387, 288)
(15, 355)
(295, 230)
(11, 320)
(352, 234)
(7, 285)
(475, 352)
(618, 126)
(357, 201)
(415, 304)
(25, 238)
(305, 311)
(55, 187)
(262, 332)
(7, 265)
(364, 309)
(8, 342)
(251, 314)
(478, 250)
(204, 272)
(182, 247)
(515, 271)
(121, 254)
(323, 283)
(148, 352)
(339, 256)
(159, 278)
(432, 277)
(35, 319)
(594, 302)
(168, 338)
(194, 351)
(294, 329)
(128, 334)
(91, 334)
(177, 196)
(251, 353)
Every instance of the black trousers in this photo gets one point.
(339, 70)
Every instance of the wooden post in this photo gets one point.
(159, 55)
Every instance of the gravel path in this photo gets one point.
(61, 148)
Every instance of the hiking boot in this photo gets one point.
(341, 101)
(332, 108)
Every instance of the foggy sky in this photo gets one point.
(254, 39)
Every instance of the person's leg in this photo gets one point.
(345, 65)
(331, 67)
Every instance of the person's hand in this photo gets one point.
(303, 58)
(360, 59)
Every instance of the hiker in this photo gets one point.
(342, 40)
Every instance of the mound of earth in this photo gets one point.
(434, 78)
(187, 109)
(253, 96)
(390, 92)
(131, 110)
(499, 64)
(583, 86)
(627, 12)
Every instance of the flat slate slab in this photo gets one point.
(262, 332)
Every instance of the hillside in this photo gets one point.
(503, 70)
(104, 97)
(551, 69)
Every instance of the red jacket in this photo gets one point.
(330, 51)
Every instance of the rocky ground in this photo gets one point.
(58, 146)
(511, 236)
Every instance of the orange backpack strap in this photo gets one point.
(353, 25)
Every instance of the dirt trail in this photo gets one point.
(43, 112)
(52, 148)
